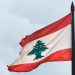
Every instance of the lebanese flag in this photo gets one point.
(49, 44)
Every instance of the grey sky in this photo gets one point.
(42, 11)
(19, 18)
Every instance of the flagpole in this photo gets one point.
(73, 38)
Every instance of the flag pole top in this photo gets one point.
(72, 6)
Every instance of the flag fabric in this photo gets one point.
(49, 44)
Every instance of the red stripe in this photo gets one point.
(62, 55)
(47, 30)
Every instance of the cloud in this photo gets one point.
(42, 11)
(12, 29)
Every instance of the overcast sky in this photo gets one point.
(19, 18)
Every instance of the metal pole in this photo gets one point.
(73, 39)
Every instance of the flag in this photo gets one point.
(49, 44)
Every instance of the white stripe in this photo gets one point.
(56, 41)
